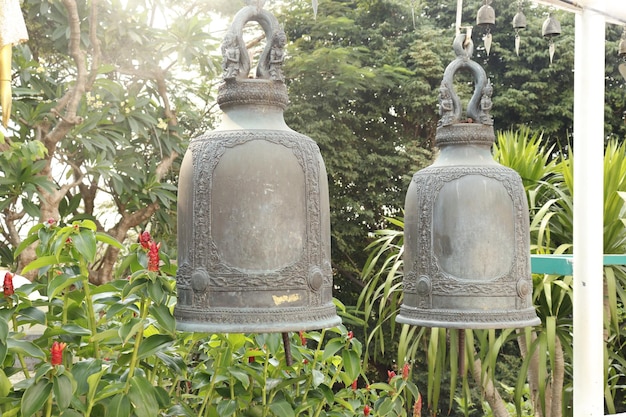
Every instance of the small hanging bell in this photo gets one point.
(551, 28)
(621, 50)
(519, 23)
(486, 17)
(519, 20)
(486, 14)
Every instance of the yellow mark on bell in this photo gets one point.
(281, 299)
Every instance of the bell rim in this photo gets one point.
(508, 319)
(277, 327)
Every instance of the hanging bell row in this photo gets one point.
(621, 51)
(486, 18)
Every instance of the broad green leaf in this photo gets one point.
(4, 330)
(34, 314)
(142, 396)
(63, 390)
(85, 244)
(351, 364)
(332, 347)
(164, 317)
(318, 377)
(5, 384)
(35, 397)
(109, 240)
(45, 261)
(282, 409)
(226, 407)
(60, 283)
(118, 406)
(26, 347)
(153, 344)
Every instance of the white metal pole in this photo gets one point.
(589, 67)
(459, 15)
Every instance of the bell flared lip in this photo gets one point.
(470, 319)
(254, 320)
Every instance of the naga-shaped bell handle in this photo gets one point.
(236, 61)
(479, 105)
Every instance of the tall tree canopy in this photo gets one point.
(99, 117)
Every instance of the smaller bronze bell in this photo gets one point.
(551, 27)
(519, 21)
(486, 17)
(621, 51)
(486, 14)
(466, 230)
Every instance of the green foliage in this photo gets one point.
(546, 349)
(120, 354)
(97, 126)
(357, 86)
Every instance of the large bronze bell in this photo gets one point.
(253, 207)
(467, 241)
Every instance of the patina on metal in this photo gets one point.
(486, 17)
(466, 233)
(253, 207)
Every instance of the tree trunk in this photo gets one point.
(556, 409)
(492, 396)
(533, 370)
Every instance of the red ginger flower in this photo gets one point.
(8, 285)
(366, 410)
(350, 335)
(153, 256)
(302, 338)
(390, 375)
(417, 407)
(145, 239)
(56, 353)
(405, 371)
(354, 384)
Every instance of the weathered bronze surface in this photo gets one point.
(467, 249)
(486, 14)
(253, 208)
(551, 27)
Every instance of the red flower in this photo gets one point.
(56, 353)
(390, 375)
(8, 285)
(145, 239)
(354, 385)
(51, 222)
(302, 338)
(366, 410)
(350, 335)
(405, 371)
(153, 256)
(417, 407)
